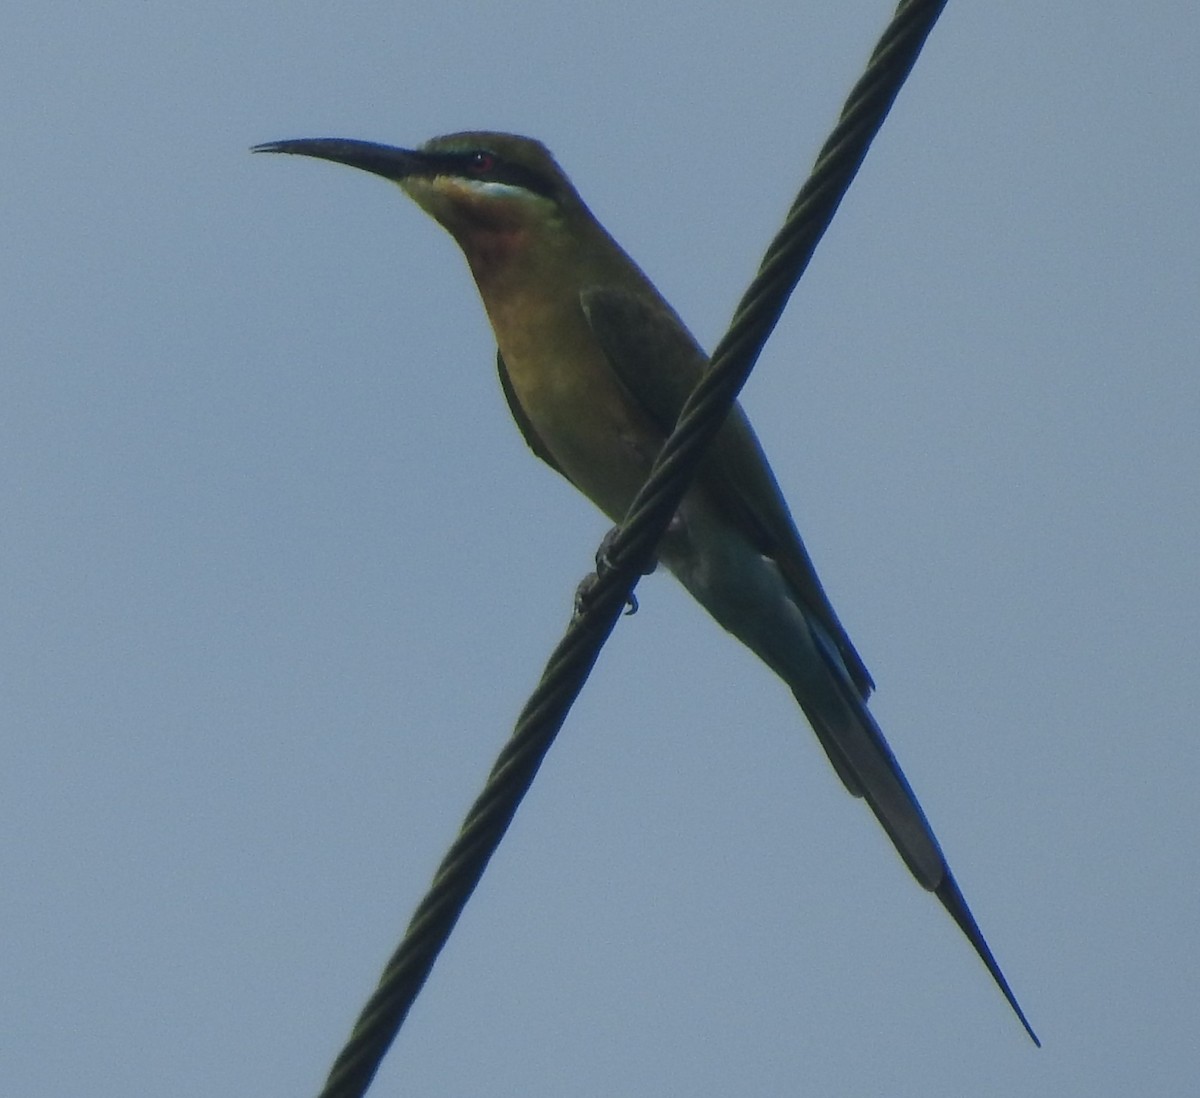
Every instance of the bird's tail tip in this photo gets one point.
(953, 901)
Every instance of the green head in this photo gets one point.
(495, 192)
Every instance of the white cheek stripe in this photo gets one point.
(491, 189)
(487, 190)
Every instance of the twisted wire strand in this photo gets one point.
(632, 550)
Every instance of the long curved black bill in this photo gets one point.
(385, 160)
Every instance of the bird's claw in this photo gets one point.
(604, 552)
(583, 596)
(603, 563)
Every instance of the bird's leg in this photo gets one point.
(583, 592)
(604, 563)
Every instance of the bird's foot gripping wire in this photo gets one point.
(604, 563)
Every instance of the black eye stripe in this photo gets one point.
(486, 165)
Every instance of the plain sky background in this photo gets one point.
(278, 572)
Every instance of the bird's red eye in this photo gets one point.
(480, 163)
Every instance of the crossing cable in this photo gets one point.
(626, 556)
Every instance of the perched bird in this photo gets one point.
(595, 367)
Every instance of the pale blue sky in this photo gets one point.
(279, 572)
